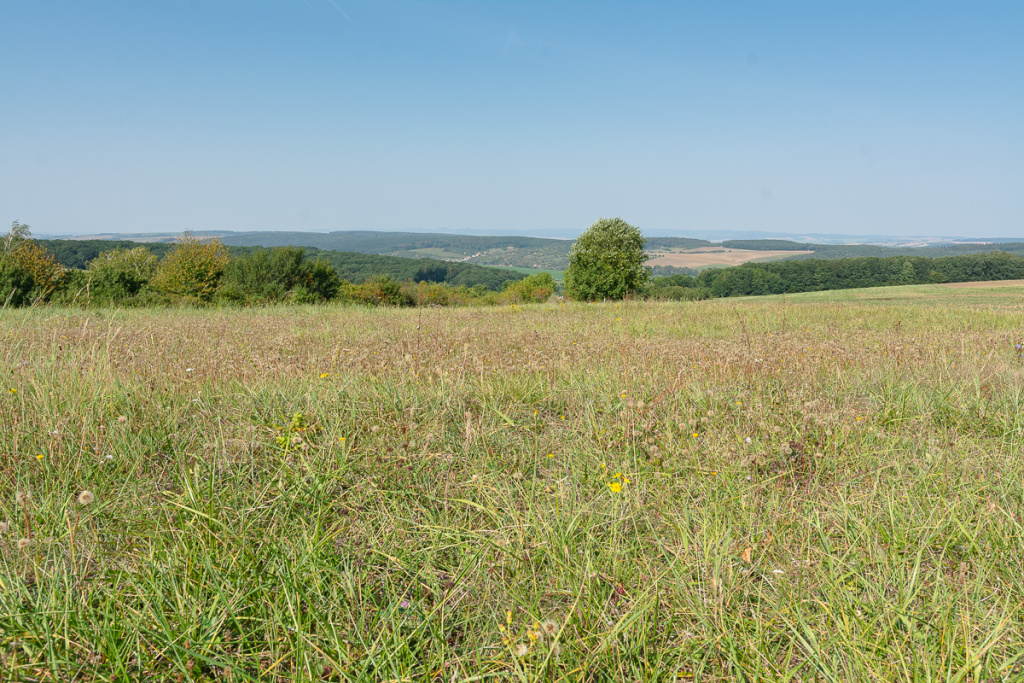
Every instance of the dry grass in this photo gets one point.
(801, 488)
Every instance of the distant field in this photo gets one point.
(717, 256)
(556, 275)
(977, 285)
(813, 487)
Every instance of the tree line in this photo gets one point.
(813, 275)
(204, 271)
(354, 267)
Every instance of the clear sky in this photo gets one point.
(529, 117)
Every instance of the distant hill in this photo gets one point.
(655, 243)
(524, 252)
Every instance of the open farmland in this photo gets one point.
(812, 487)
(716, 256)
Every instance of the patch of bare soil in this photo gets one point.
(716, 256)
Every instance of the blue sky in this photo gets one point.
(884, 118)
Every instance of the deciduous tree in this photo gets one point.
(607, 262)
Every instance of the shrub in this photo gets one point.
(534, 289)
(120, 274)
(321, 280)
(23, 257)
(279, 274)
(438, 294)
(192, 268)
(15, 282)
(382, 291)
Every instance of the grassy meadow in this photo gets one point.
(820, 487)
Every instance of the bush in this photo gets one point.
(16, 282)
(382, 291)
(25, 257)
(279, 274)
(119, 274)
(606, 262)
(140, 262)
(321, 280)
(47, 274)
(192, 268)
(536, 288)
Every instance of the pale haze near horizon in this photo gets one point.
(875, 118)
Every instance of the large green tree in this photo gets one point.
(606, 262)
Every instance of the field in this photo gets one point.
(703, 257)
(556, 275)
(822, 487)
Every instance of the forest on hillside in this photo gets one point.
(836, 251)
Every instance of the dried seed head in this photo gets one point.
(23, 543)
(3, 527)
(86, 497)
(522, 649)
(549, 627)
(22, 497)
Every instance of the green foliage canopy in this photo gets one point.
(606, 262)
(279, 274)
